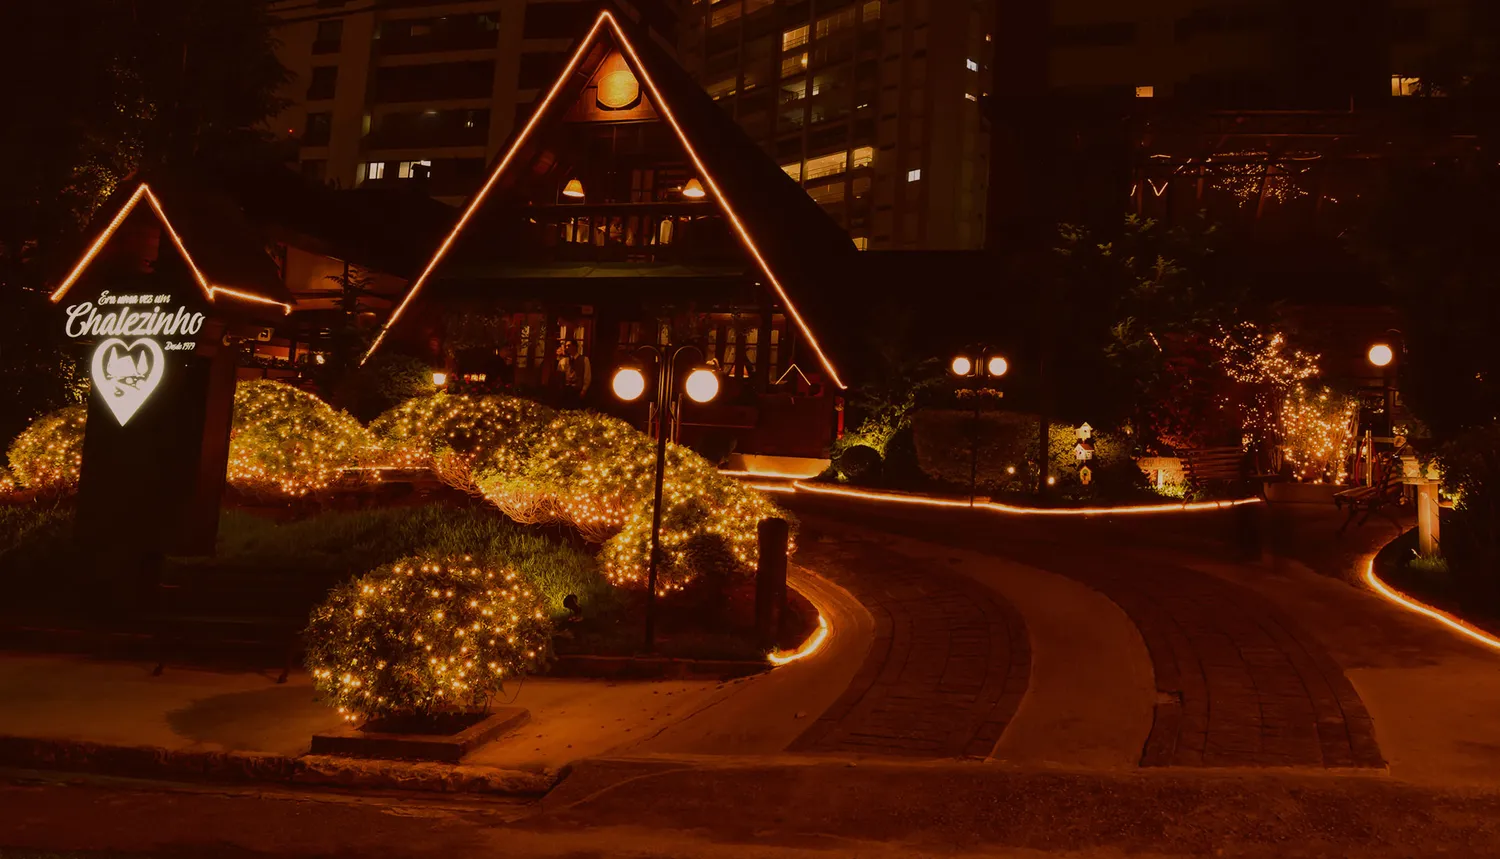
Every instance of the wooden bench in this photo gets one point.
(1226, 467)
(1388, 490)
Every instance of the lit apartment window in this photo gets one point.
(971, 97)
(971, 65)
(1401, 85)
(826, 165)
(1145, 92)
(793, 170)
(375, 170)
(795, 64)
(914, 175)
(795, 38)
(872, 10)
(414, 170)
(861, 243)
(864, 156)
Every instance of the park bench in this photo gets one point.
(1388, 491)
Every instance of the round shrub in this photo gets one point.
(586, 469)
(285, 441)
(491, 433)
(697, 502)
(858, 464)
(423, 636)
(46, 456)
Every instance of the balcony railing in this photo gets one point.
(646, 233)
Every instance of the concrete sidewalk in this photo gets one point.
(76, 700)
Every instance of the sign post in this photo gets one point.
(156, 445)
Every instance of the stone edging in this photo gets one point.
(257, 767)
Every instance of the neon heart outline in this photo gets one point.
(125, 401)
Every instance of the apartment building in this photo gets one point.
(1276, 114)
(387, 92)
(873, 105)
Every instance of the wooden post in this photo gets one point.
(770, 579)
(1428, 518)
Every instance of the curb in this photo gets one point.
(262, 768)
(653, 668)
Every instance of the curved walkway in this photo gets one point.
(1237, 682)
(948, 667)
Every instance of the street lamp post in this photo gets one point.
(629, 384)
(990, 366)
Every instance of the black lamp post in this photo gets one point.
(987, 366)
(629, 384)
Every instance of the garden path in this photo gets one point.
(1238, 682)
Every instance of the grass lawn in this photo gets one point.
(1445, 583)
(283, 568)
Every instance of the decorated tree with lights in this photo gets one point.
(424, 636)
(47, 456)
(287, 442)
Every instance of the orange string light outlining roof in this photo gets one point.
(666, 111)
(209, 290)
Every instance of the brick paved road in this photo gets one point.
(948, 667)
(1238, 683)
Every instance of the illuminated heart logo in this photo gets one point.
(126, 375)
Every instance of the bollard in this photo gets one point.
(770, 580)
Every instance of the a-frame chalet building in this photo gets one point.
(629, 210)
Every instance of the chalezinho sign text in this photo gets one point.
(124, 373)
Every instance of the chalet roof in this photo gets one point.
(224, 251)
(791, 240)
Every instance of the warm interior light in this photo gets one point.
(439, 378)
(694, 190)
(998, 366)
(1381, 355)
(702, 385)
(573, 189)
(628, 384)
(962, 366)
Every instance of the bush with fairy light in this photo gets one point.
(486, 432)
(285, 441)
(424, 636)
(46, 457)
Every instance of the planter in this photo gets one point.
(1301, 493)
(391, 740)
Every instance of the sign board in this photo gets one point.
(156, 444)
(132, 333)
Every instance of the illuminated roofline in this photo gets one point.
(209, 289)
(666, 110)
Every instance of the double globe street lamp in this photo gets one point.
(986, 366)
(630, 383)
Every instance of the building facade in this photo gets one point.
(872, 105)
(1279, 116)
(630, 214)
(390, 92)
